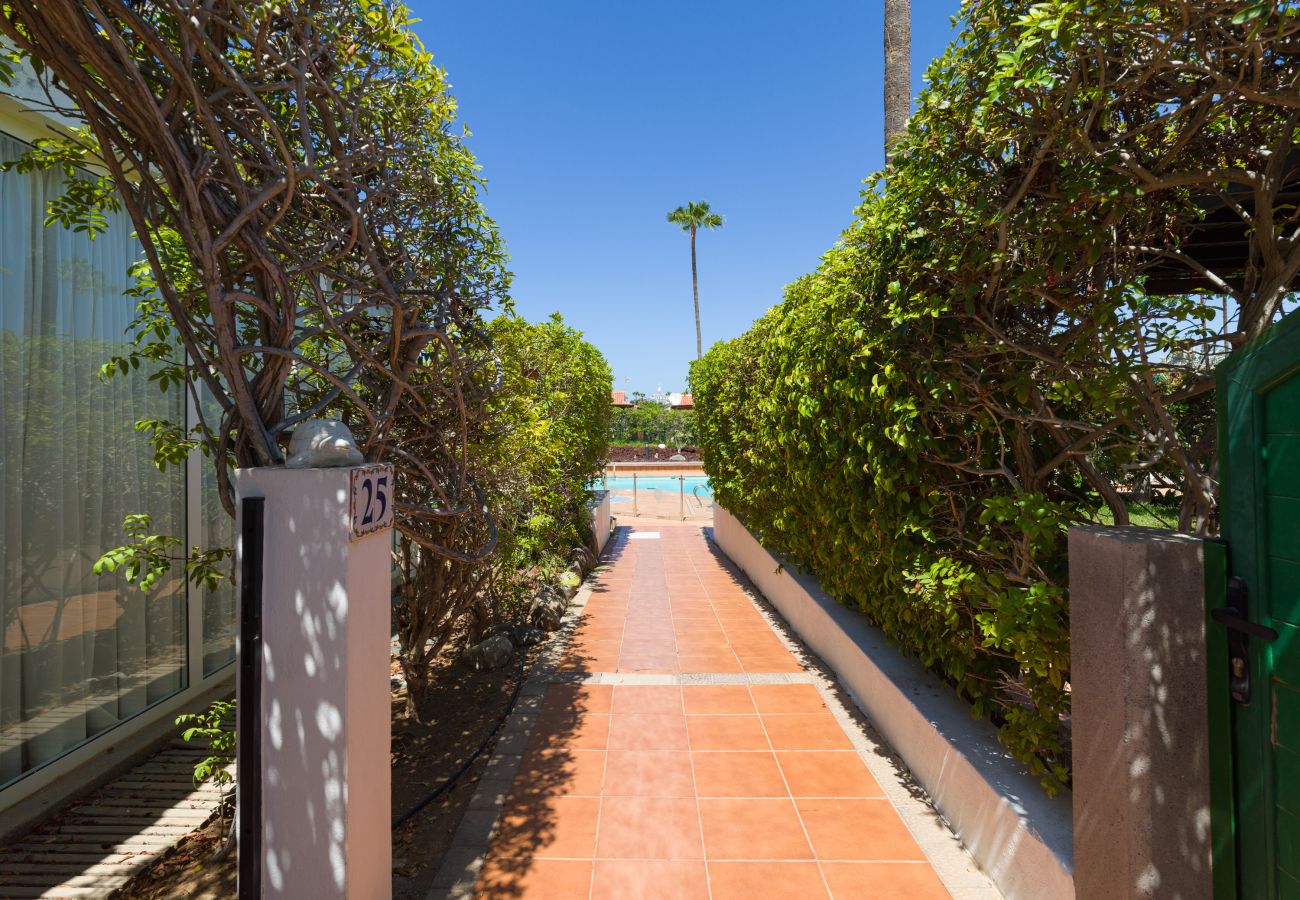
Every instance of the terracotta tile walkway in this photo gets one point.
(668, 790)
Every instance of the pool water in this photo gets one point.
(659, 483)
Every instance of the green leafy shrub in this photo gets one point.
(653, 422)
(978, 363)
(216, 726)
(533, 456)
(547, 441)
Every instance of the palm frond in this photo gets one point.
(695, 214)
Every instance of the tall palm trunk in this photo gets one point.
(695, 286)
(898, 70)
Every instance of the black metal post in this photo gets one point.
(249, 718)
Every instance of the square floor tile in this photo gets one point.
(650, 879)
(655, 699)
(883, 881)
(533, 879)
(717, 700)
(719, 664)
(659, 665)
(726, 733)
(570, 731)
(738, 775)
(767, 645)
(554, 828)
(648, 773)
(788, 698)
(587, 633)
(827, 774)
(857, 830)
(691, 646)
(651, 626)
(738, 612)
(659, 646)
(756, 665)
(559, 773)
(699, 627)
(578, 698)
(587, 647)
(605, 609)
(752, 829)
(648, 828)
(806, 732)
(586, 664)
(692, 611)
(652, 732)
(767, 881)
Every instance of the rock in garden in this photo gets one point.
(547, 608)
(527, 635)
(523, 635)
(505, 628)
(491, 653)
(568, 583)
(583, 558)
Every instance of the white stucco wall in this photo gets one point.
(325, 706)
(600, 519)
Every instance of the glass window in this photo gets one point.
(80, 652)
(218, 530)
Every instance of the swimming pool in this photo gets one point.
(660, 483)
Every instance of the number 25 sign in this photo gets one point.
(372, 499)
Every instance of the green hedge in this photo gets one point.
(809, 441)
(652, 422)
(976, 362)
(547, 440)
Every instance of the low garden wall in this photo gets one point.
(1017, 834)
(598, 509)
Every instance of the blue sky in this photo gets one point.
(592, 121)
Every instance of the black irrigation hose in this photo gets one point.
(455, 776)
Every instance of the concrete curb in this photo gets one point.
(1019, 836)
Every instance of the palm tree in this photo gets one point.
(692, 217)
(898, 69)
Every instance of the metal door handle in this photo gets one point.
(1230, 618)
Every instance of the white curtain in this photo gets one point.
(80, 652)
(218, 531)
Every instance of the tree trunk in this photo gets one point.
(898, 70)
(695, 286)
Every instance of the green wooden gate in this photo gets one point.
(1255, 625)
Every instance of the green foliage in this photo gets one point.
(534, 452)
(547, 442)
(288, 287)
(651, 422)
(146, 558)
(695, 215)
(86, 198)
(215, 725)
(922, 418)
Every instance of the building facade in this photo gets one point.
(86, 659)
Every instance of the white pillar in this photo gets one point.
(325, 711)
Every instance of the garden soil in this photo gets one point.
(464, 708)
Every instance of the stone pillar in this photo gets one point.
(325, 711)
(1140, 732)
